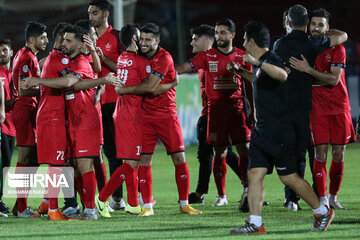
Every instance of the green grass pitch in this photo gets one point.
(215, 223)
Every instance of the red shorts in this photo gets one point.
(333, 129)
(127, 138)
(98, 108)
(167, 129)
(226, 120)
(84, 143)
(51, 144)
(24, 118)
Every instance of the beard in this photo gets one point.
(4, 61)
(224, 44)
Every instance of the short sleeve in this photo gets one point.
(198, 62)
(339, 57)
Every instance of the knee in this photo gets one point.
(338, 155)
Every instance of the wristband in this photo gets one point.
(260, 63)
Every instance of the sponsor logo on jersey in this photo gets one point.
(209, 55)
(148, 69)
(38, 72)
(213, 67)
(25, 68)
(65, 61)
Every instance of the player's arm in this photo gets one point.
(336, 36)
(2, 103)
(106, 60)
(63, 82)
(42, 61)
(235, 68)
(95, 64)
(109, 79)
(145, 88)
(332, 78)
(163, 88)
(28, 91)
(100, 90)
(183, 68)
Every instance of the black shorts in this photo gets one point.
(274, 146)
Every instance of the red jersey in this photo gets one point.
(162, 106)
(220, 83)
(80, 105)
(111, 46)
(25, 64)
(204, 98)
(7, 127)
(331, 100)
(132, 69)
(52, 104)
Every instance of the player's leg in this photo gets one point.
(219, 171)
(145, 183)
(205, 157)
(232, 160)
(320, 171)
(336, 173)
(85, 167)
(7, 149)
(100, 171)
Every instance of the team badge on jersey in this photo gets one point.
(38, 72)
(108, 47)
(148, 69)
(65, 61)
(213, 67)
(25, 68)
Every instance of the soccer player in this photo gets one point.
(83, 120)
(109, 44)
(330, 117)
(273, 141)
(7, 128)
(25, 64)
(203, 38)
(227, 113)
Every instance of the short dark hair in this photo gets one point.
(78, 32)
(85, 24)
(103, 5)
(59, 29)
(127, 32)
(259, 32)
(151, 28)
(34, 29)
(227, 22)
(321, 12)
(204, 30)
(5, 41)
(298, 15)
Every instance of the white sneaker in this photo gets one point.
(3, 214)
(141, 201)
(292, 207)
(117, 205)
(90, 214)
(28, 212)
(220, 201)
(69, 211)
(336, 205)
(111, 209)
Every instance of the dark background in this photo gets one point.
(345, 16)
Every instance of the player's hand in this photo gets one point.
(29, 82)
(248, 58)
(119, 87)
(176, 80)
(233, 67)
(89, 43)
(110, 79)
(300, 65)
(100, 52)
(251, 121)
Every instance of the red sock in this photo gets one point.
(53, 191)
(100, 173)
(116, 179)
(132, 188)
(21, 198)
(89, 189)
(336, 173)
(243, 168)
(182, 180)
(145, 183)
(219, 170)
(320, 177)
(79, 187)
